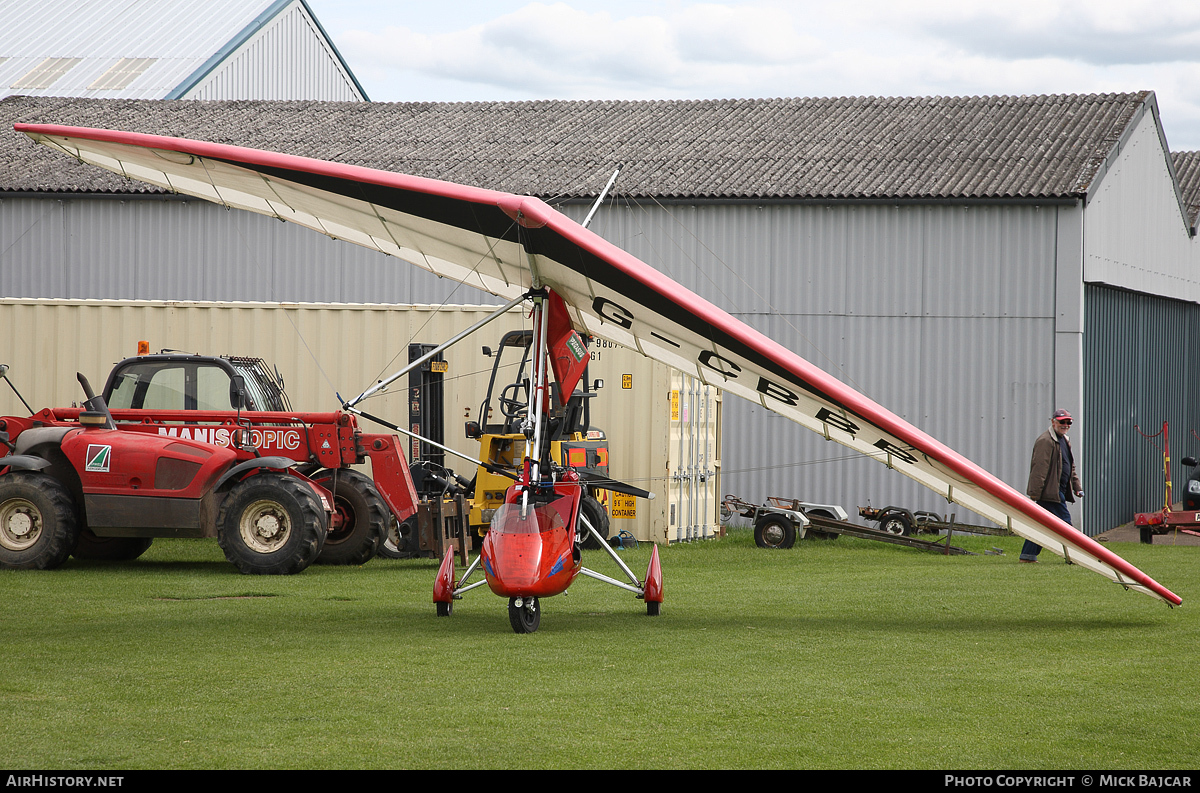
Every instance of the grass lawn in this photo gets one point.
(835, 654)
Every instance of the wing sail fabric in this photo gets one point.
(500, 242)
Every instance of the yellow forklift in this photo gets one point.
(501, 430)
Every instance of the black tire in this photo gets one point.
(896, 523)
(653, 608)
(445, 609)
(774, 531)
(817, 534)
(109, 549)
(271, 524)
(1146, 535)
(363, 515)
(594, 511)
(524, 618)
(38, 529)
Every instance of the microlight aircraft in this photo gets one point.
(506, 244)
(532, 547)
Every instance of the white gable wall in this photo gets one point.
(287, 59)
(1135, 233)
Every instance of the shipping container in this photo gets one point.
(663, 427)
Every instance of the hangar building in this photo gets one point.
(971, 263)
(170, 49)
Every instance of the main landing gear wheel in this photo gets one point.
(774, 531)
(109, 549)
(653, 608)
(360, 518)
(446, 609)
(271, 524)
(37, 522)
(526, 617)
(596, 515)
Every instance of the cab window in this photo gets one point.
(171, 386)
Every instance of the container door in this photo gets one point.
(692, 509)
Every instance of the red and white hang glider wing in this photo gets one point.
(497, 242)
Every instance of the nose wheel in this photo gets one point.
(525, 614)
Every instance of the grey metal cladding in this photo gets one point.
(1141, 369)
(943, 313)
(194, 250)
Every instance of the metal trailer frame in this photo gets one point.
(898, 520)
(795, 512)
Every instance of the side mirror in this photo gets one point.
(1190, 462)
(596, 386)
(237, 392)
(473, 430)
(487, 351)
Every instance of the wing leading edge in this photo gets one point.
(500, 243)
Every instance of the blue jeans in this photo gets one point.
(1058, 509)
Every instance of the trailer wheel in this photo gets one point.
(360, 518)
(38, 530)
(774, 531)
(817, 534)
(271, 524)
(896, 523)
(596, 515)
(526, 617)
(109, 549)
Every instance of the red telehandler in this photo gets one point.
(196, 446)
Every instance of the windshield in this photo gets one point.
(538, 518)
(162, 385)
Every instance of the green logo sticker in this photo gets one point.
(98, 457)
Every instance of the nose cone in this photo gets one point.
(539, 564)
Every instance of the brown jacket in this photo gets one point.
(1045, 470)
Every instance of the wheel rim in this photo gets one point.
(392, 539)
(20, 524)
(342, 525)
(772, 534)
(526, 617)
(265, 526)
(894, 526)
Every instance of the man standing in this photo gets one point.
(1052, 478)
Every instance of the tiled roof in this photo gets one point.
(864, 148)
(1187, 170)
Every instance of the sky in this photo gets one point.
(483, 50)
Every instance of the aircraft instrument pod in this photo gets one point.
(532, 549)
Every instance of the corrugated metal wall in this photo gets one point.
(154, 249)
(942, 313)
(1141, 369)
